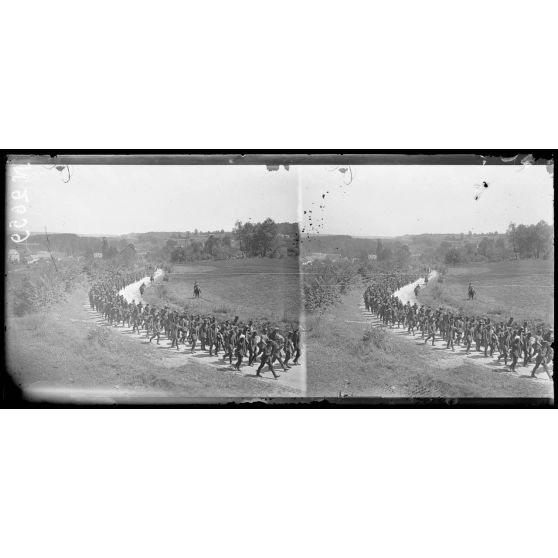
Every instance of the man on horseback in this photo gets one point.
(417, 289)
(471, 291)
(197, 290)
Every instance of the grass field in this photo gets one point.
(262, 289)
(346, 355)
(523, 289)
(64, 347)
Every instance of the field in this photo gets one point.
(347, 356)
(523, 289)
(259, 289)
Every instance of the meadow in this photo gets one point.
(259, 289)
(522, 289)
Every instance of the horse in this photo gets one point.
(197, 291)
(417, 289)
(471, 292)
(142, 288)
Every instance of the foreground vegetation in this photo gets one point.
(348, 357)
(64, 347)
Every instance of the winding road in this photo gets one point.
(293, 379)
(445, 358)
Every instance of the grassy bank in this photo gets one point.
(348, 356)
(65, 347)
(523, 289)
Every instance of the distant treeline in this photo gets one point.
(265, 239)
(342, 245)
(519, 241)
(67, 244)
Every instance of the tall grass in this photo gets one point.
(103, 337)
(374, 339)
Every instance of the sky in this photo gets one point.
(393, 200)
(120, 199)
(381, 200)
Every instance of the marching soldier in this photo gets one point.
(266, 359)
(544, 357)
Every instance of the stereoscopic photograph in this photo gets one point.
(294, 279)
(153, 283)
(429, 281)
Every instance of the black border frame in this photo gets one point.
(12, 397)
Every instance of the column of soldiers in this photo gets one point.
(242, 342)
(518, 343)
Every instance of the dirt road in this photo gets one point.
(293, 379)
(407, 293)
(446, 358)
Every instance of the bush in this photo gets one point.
(222, 309)
(453, 257)
(497, 311)
(374, 339)
(102, 336)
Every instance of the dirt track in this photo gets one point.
(294, 379)
(445, 358)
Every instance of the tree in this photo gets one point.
(238, 234)
(128, 254)
(403, 254)
(524, 241)
(453, 257)
(105, 248)
(512, 235)
(266, 232)
(210, 245)
(484, 247)
(543, 239)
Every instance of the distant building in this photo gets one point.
(43, 255)
(97, 255)
(372, 257)
(13, 256)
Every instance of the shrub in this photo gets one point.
(497, 311)
(374, 339)
(222, 309)
(102, 336)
